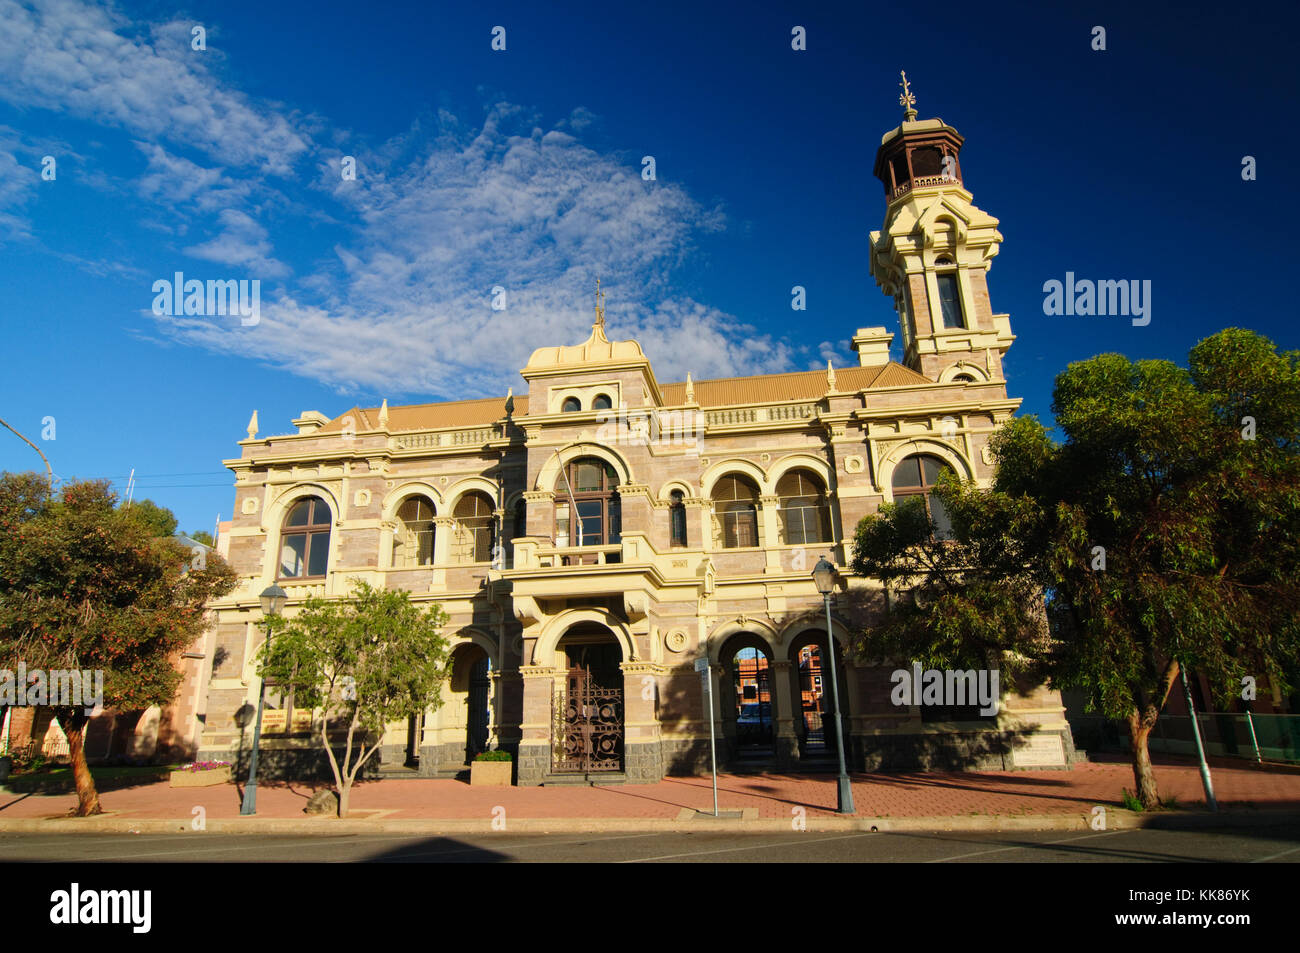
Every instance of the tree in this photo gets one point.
(86, 585)
(1163, 532)
(160, 519)
(201, 536)
(364, 661)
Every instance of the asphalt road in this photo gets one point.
(1262, 845)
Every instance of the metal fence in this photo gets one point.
(1255, 737)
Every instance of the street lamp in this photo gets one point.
(273, 599)
(824, 577)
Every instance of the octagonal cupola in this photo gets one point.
(917, 154)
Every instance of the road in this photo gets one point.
(1263, 845)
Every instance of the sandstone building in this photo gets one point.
(593, 538)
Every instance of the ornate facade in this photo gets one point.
(592, 539)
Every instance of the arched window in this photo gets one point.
(805, 514)
(519, 525)
(590, 485)
(305, 540)
(677, 519)
(735, 500)
(963, 379)
(571, 405)
(918, 475)
(474, 528)
(413, 541)
(601, 402)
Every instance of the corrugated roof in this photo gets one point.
(720, 392)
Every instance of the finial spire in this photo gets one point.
(383, 413)
(907, 100)
(830, 377)
(252, 426)
(600, 306)
(690, 389)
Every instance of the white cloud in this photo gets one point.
(76, 57)
(241, 244)
(437, 217)
(536, 213)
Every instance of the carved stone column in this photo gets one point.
(785, 742)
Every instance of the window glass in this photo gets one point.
(318, 554)
(571, 404)
(600, 403)
(300, 515)
(949, 301)
(293, 553)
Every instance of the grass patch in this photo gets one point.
(60, 780)
(1130, 801)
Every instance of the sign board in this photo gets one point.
(301, 720)
(274, 721)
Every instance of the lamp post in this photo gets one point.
(273, 599)
(824, 577)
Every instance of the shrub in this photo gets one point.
(493, 756)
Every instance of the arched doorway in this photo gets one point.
(747, 699)
(587, 715)
(468, 709)
(814, 700)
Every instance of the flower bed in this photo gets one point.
(201, 774)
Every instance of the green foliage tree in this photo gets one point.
(1163, 531)
(88, 585)
(364, 661)
(158, 518)
(201, 536)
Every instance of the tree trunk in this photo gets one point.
(345, 790)
(74, 721)
(1144, 777)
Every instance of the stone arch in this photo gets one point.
(734, 465)
(273, 518)
(556, 628)
(963, 367)
(814, 620)
(764, 632)
(665, 493)
(930, 445)
(549, 474)
(800, 461)
(398, 494)
(469, 485)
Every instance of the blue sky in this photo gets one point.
(521, 168)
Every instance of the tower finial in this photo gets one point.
(907, 100)
(600, 306)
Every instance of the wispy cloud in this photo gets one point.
(435, 220)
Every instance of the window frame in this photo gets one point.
(489, 522)
(607, 495)
(924, 489)
(312, 531)
(402, 527)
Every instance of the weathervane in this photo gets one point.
(907, 100)
(600, 306)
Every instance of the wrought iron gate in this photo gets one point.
(588, 725)
(478, 730)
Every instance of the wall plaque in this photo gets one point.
(1039, 751)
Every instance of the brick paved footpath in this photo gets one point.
(931, 794)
